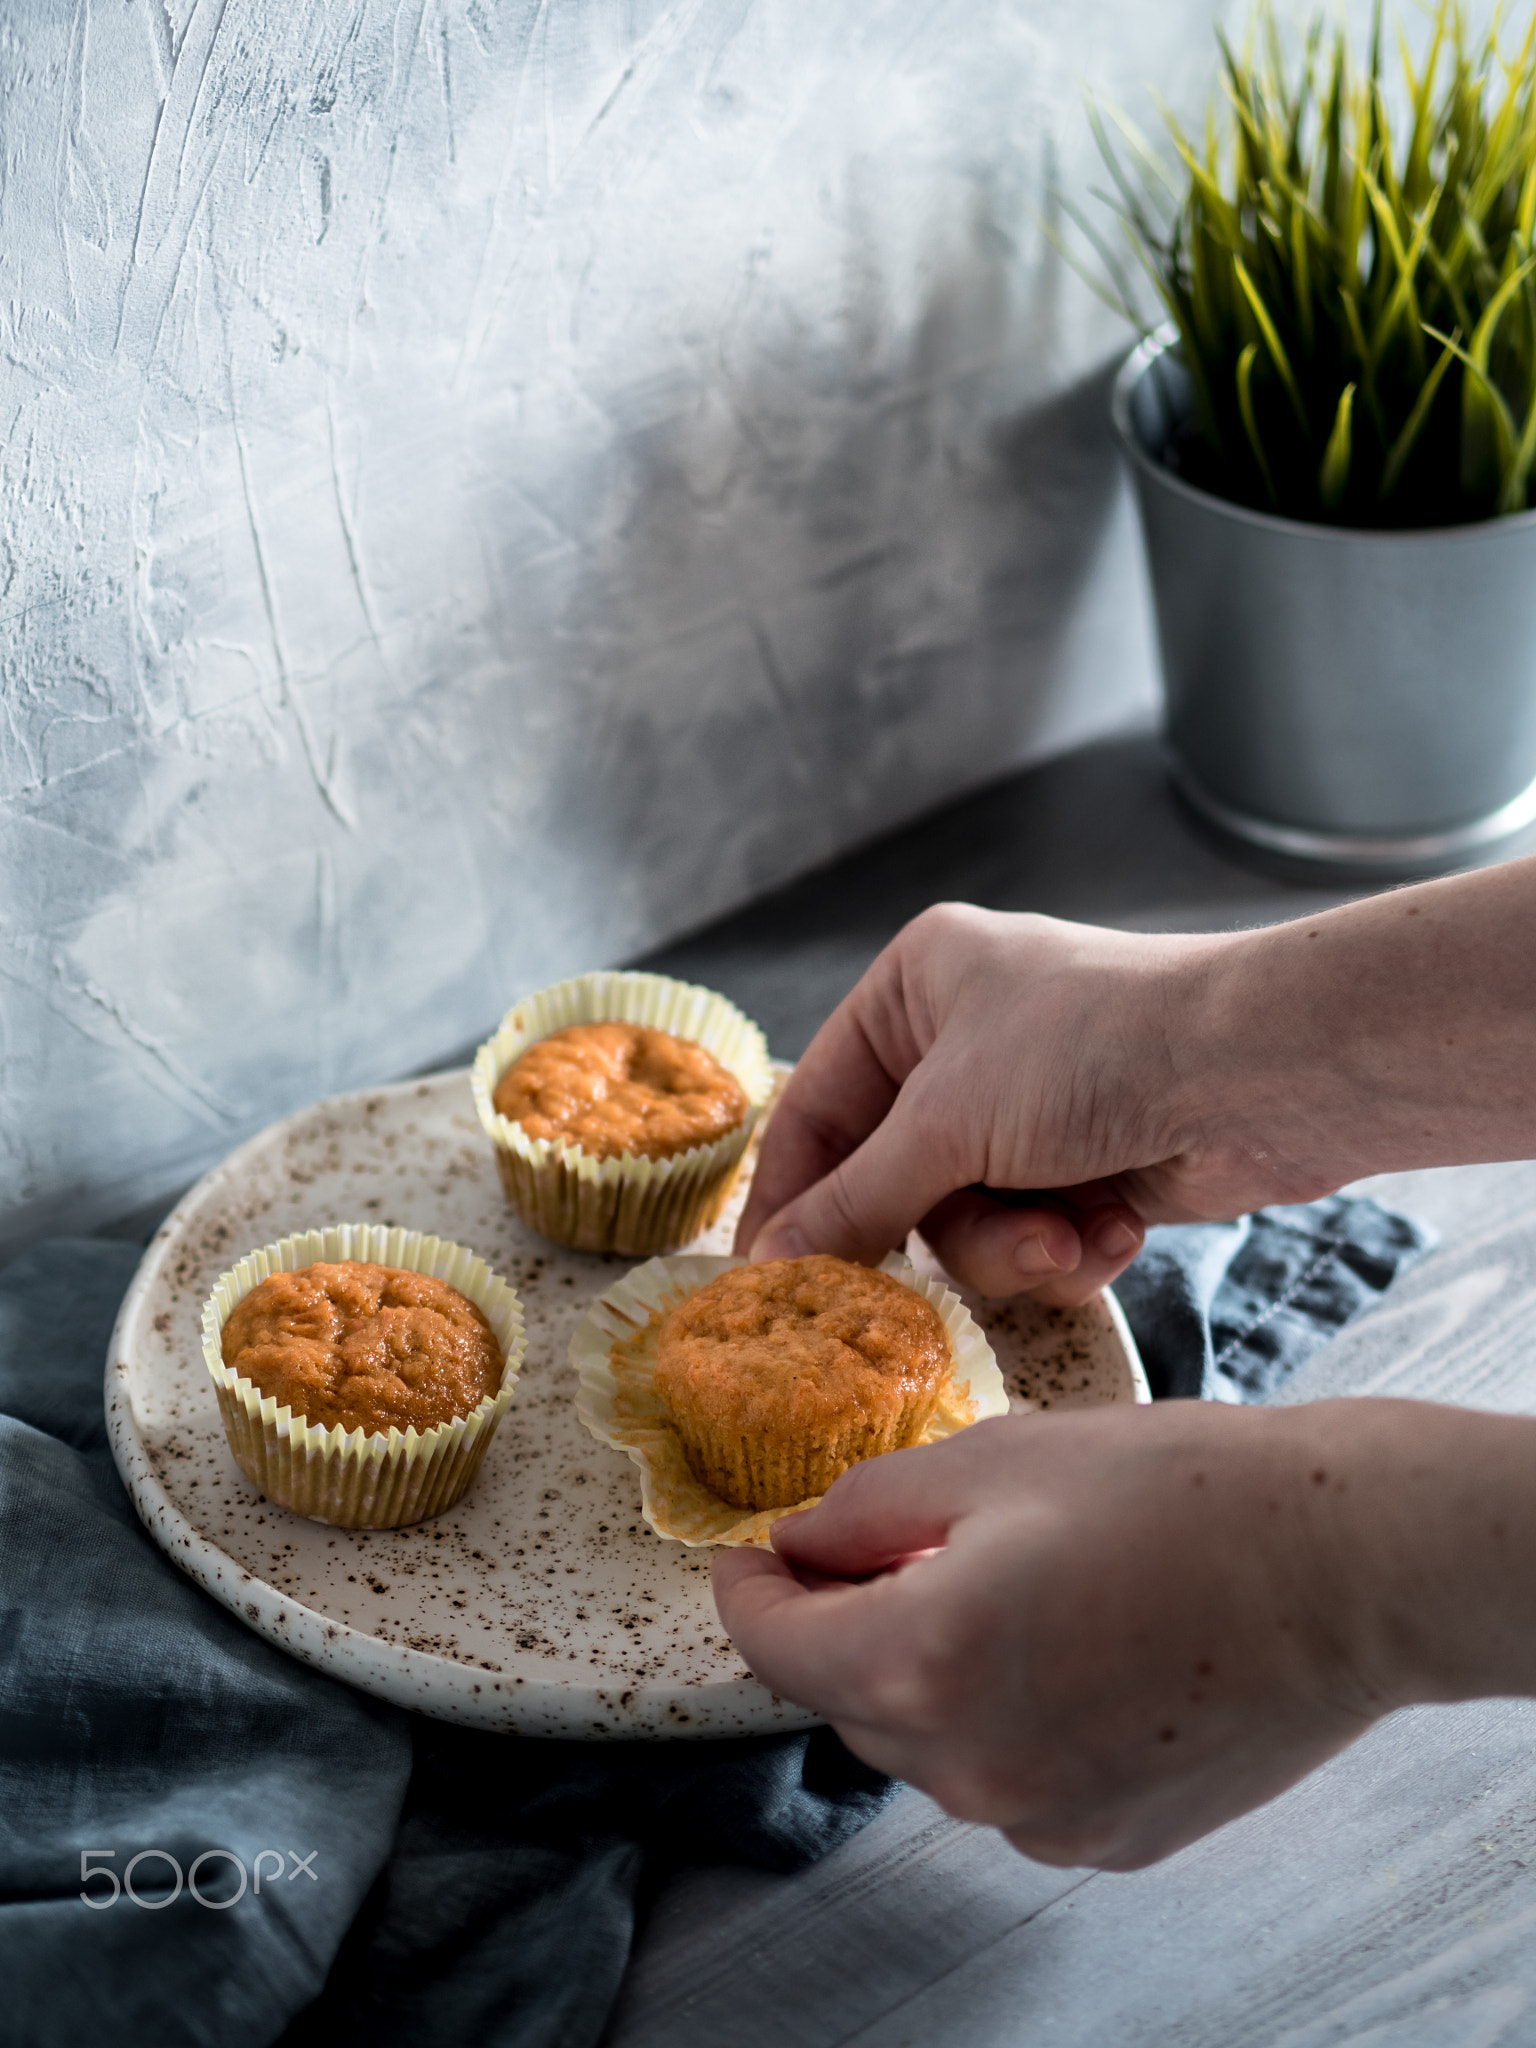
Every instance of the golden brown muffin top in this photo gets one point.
(795, 1345)
(615, 1088)
(365, 1346)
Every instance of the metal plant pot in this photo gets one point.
(1360, 698)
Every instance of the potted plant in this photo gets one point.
(1333, 441)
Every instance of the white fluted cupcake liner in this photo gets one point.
(357, 1479)
(623, 1204)
(616, 1395)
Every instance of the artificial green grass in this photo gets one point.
(1355, 297)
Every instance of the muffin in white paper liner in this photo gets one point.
(357, 1479)
(624, 1204)
(617, 1400)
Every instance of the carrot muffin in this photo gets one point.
(615, 1350)
(361, 1370)
(620, 1106)
(363, 1346)
(779, 1376)
(619, 1088)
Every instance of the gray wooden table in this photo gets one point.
(1389, 1900)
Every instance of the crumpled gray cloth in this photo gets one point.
(1227, 1311)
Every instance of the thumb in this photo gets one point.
(883, 1510)
(868, 1203)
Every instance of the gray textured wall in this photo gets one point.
(488, 487)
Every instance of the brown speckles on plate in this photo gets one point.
(541, 1602)
(1055, 1357)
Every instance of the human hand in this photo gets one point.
(1141, 1622)
(1017, 1052)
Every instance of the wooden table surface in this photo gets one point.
(1390, 1899)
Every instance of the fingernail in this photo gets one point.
(1114, 1239)
(1032, 1258)
(786, 1242)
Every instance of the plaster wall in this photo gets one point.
(487, 487)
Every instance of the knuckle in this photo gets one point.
(894, 1695)
(940, 920)
(958, 932)
(917, 1686)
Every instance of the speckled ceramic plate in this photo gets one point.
(541, 1603)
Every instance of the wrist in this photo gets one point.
(1423, 1550)
(1278, 1067)
(1391, 1033)
(1250, 1112)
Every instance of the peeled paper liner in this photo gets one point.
(623, 998)
(618, 1403)
(357, 1478)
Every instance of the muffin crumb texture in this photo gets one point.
(779, 1376)
(369, 1347)
(621, 1088)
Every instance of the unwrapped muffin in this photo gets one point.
(780, 1376)
(620, 1106)
(616, 1350)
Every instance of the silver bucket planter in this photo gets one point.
(1364, 699)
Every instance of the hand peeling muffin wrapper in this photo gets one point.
(625, 1204)
(357, 1479)
(617, 1400)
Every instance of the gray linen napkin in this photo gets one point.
(1227, 1311)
